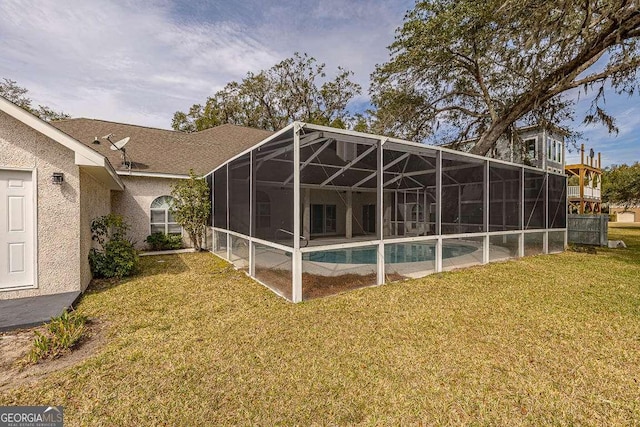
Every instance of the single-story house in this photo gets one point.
(55, 178)
(155, 159)
(298, 209)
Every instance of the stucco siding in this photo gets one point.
(58, 206)
(96, 201)
(134, 204)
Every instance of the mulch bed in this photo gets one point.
(317, 286)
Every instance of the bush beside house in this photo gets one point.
(116, 255)
(163, 242)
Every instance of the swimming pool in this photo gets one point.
(393, 253)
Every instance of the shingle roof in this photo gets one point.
(100, 167)
(164, 151)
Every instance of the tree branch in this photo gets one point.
(544, 90)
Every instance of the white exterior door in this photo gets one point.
(16, 229)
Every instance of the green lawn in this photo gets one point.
(543, 340)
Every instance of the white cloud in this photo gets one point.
(131, 63)
(138, 61)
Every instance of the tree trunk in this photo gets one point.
(194, 240)
(490, 136)
(556, 82)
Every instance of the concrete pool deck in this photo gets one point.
(270, 258)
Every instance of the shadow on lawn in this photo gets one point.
(162, 264)
(149, 266)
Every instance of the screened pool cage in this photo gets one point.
(312, 211)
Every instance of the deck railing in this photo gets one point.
(573, 191)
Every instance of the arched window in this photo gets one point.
(162, 220)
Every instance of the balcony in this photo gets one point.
(573, 191)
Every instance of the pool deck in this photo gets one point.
(336, 240)
(275, 259)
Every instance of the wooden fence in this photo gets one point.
(588, 229)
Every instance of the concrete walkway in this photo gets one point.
(169, 252)
(33, 311)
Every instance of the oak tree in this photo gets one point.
(621, 185)
(294, 89)
(10, 90)
(468, 69)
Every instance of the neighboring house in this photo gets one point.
(56, 178)
(625, 214)
(584, 193)
(538, 146)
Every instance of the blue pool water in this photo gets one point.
(393, 254)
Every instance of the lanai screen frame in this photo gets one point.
(223, 236)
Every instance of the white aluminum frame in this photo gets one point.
(325, 135)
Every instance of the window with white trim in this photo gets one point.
(162, 220)
(530, 145)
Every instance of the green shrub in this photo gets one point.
(162, 242)
(118, 259)
(116, 255)
(191, 207)
(62, 333)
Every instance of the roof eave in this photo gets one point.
(151, 174)
(84, 156)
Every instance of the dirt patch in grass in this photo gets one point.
(15, 345)
(316, 286)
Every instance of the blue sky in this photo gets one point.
(138, 61)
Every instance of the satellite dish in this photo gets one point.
(115, 146)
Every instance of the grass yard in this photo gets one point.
(543, 340)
